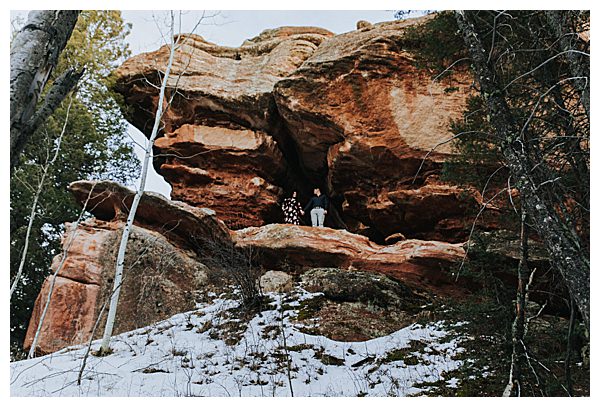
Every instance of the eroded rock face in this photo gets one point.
(162, 268)
(364, 118)
(435, 210)
(70, 318)
(160, 280)
(422, 264)
(297, 107)
(234, 171)
(217, 84)
(180, 222)
(223, 136)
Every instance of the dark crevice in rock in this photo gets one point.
(298, 178)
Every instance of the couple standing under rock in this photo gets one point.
(292, 210)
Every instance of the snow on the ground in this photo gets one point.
(184, 356)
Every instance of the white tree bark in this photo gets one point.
(34, 53)
(38, 192)
(114, 301)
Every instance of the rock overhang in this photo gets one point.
(350, 112)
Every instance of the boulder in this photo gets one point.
(276, 281)
(159, 280)
(357, 305)
(359, 286)
(420, 264)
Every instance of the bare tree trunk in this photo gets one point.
(578, 63)
(114, 301)
(518, 328)
(568, 377)
(35, 202)
(288, 359)
(34, 53)
(89, 346)
(562, 243)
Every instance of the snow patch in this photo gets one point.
(184, 356)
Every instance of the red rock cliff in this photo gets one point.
(296, 107)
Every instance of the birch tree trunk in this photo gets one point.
(34, 53)
(114, 301)
(36, 198)
(563, 244)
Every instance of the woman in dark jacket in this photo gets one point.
(292, 210)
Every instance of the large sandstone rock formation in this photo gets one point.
(364, 117)
(296, 107)
(162, 270)
(222, 132)
(291, 108)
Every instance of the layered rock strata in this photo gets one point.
(297, 107)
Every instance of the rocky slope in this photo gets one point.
(296, 107)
